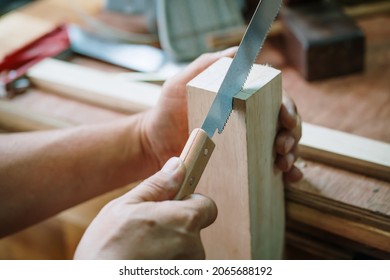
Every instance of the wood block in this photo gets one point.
(240, 175)
(321, 41)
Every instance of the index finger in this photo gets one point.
(201, 63)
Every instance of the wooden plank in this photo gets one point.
(344, 194)
(367, 10)
(240, 176)
(306, 242)
(94, 87)
(347, 151)
(16, 118)
(312, 249)
(356, 231)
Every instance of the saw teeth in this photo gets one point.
(225, 123)
(246, 55)
(257, 55)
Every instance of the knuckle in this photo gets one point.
(192, 218)
(206, 55)
(112, 206)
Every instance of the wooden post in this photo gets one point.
(240, 176)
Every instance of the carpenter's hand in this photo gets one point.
(286, 141)
(164, 130)
(145, 224)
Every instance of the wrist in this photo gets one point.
(148, 152)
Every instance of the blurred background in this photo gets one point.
(67, 62)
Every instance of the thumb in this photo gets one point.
(161, 186)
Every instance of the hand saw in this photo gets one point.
(199, 146)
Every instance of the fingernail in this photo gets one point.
(293, 114)
(289, 144)
(172, 164)
(290, 160)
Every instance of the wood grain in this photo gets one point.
(15, 118)
(240, 175)
(93, 86)
(344, 150)
(343, 193)
(307, 242)
(356, 231)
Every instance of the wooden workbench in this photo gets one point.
(326, 198)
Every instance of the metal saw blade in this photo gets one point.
(241, 65)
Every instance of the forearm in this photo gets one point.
(44, 173)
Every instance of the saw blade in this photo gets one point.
(241, 65)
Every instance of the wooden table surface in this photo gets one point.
(358, 104)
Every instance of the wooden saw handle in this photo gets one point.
(195, 155)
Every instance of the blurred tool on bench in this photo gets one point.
(183, 26)
(320, 37)
(321, 41)
(159, 37)
(180, 26)
(317, 33)
(341, 209)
